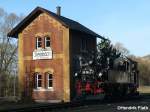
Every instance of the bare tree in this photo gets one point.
(120, 47)
(8, 50)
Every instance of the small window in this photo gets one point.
(50, 80)
(39, 42)
(38, 81)
(47, 42)
(83, 44)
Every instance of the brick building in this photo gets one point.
(47, 44)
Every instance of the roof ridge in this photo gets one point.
(67, 22)
(55, 13)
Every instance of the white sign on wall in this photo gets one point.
(42, 55)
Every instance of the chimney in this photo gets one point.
(58, 10)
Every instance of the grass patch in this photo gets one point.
(144, 89)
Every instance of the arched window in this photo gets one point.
(49, 81)
(47, 42)
(38, 42)
(38, 81)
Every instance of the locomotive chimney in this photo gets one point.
(58, 10)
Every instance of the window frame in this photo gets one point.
(37, 80)
(48, 41)
(49, 79)
(37, 42)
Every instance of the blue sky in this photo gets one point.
(124, 21)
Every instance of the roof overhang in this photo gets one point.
(36, 12)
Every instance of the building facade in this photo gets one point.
(47, 45)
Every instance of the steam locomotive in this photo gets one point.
(118, 79)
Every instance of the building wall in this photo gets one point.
(42, 26)
(76, 39)
(65, 44)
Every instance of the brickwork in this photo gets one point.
(43, 26)
(65, 43)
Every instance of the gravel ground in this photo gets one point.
(141, 104)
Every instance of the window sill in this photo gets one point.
(43, 49)
(43, 89)
(48, 48)
(40, 48)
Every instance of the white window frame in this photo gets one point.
(48, 87)
(46, 41)
(37, 81)
(37, 42)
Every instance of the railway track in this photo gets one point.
(61, 106)
(43, 107)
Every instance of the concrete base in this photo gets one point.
(48, 101)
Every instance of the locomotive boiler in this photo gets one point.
(92, 81)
